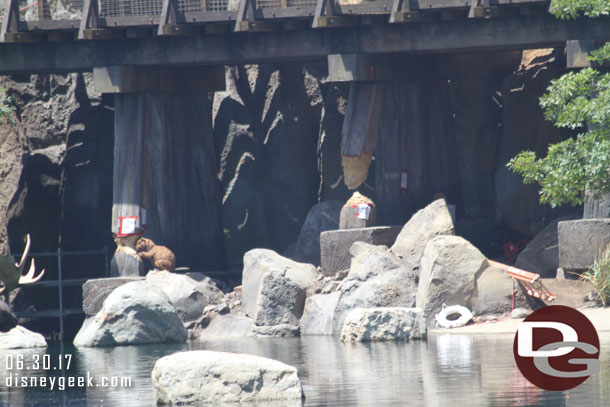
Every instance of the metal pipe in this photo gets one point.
(61, 302)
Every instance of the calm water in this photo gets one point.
(447, 370)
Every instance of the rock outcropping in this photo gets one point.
(202, 377)
(133, 314)
(384, 324)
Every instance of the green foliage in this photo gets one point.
(6, 107)
(599, 276)
(566, 9)
(578, 101)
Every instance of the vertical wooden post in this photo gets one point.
(89, 19)
(168, 15)
(397, 7)
(323, 8)
(10, 23)
(245, 13)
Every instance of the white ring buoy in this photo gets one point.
(465, 316)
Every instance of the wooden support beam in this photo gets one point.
(245, 13)
(492, 11)
(136, 79)
(324, 8)
(101, 34)
(579, 51)
(399, 7)
(138, 32)
(374, 19)
(90, 20)
(178, 29)
(533, 9)
(413, 16)
(168, 17)
(337, 21)
(218, 28)
(295, 24)
(260, 25)
(21, 36)
(60, 36)
(10, 22)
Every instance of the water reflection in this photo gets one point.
(451, 370)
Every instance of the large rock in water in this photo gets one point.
(133, 314)
(322, 217)
(492, 293)
(233, 325)
(377, 278)
(95, 292)
(187, 294)
(274, 287)
(201, 377)
(319, 314)
(21, 338)
(336, 244)
(384, 324)
(449, 267)
(434, 220)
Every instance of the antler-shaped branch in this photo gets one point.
(11, 276)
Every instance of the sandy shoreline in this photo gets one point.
(600, 317)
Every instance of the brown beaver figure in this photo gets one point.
(160, 257)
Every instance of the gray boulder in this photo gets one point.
(541, 255)
(434, 220)
(233, 325)
(492, 293)
(377, 278)
(384, 324)
(581, 241)
(95, 291)
(449, 267)
(274, 287)
(322, 217)
(21, 338)
(201, 377)
(319, 313)
(134, 313)
(335, 245)
(188, 295)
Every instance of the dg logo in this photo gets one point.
(557, 348)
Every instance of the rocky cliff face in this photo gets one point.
(56, 179)
(277, 135)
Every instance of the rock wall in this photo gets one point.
(277, 139)
(56, 164)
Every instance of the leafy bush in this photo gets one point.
(6, 107)
(578, 101)
(599, 276)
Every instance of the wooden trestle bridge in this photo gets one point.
(76, 35)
